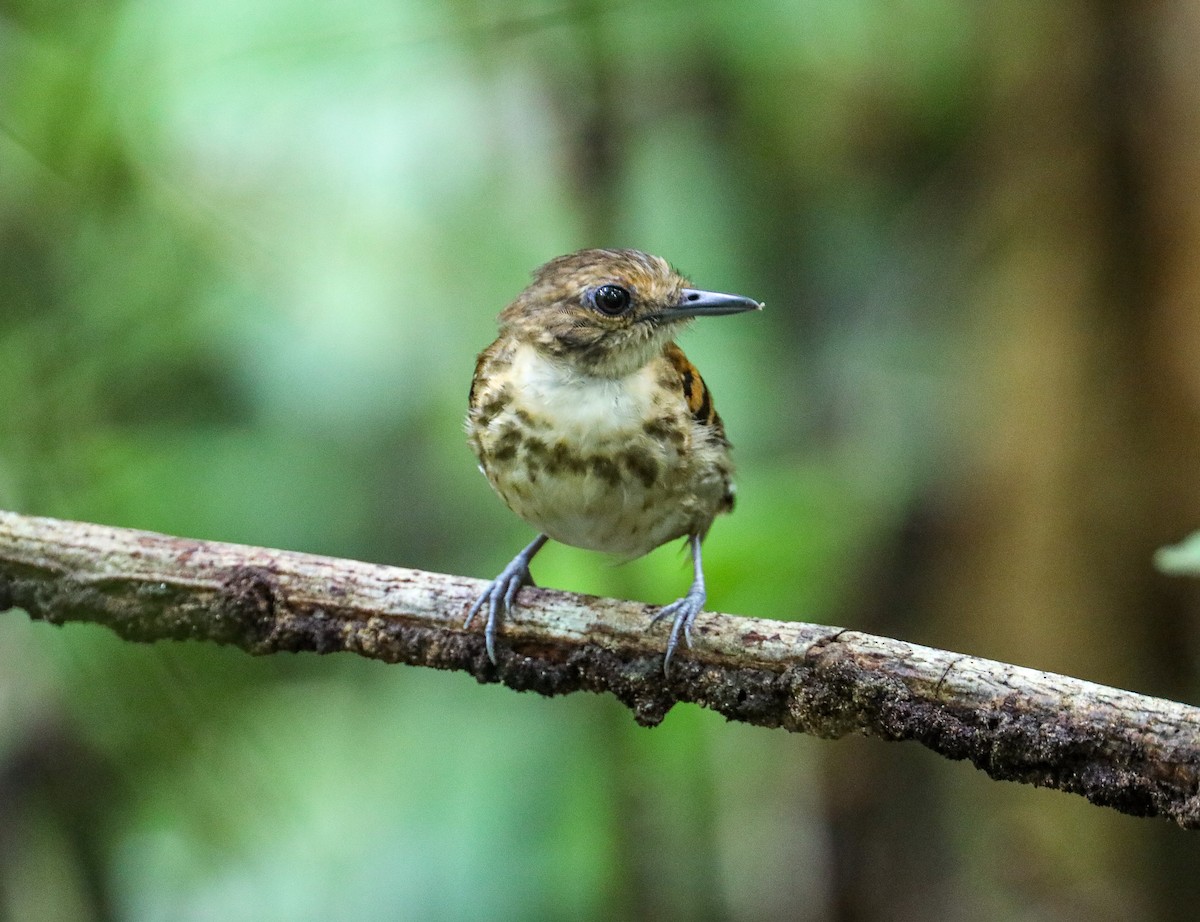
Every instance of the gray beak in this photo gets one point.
(696, 303)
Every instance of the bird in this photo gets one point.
(593, 426)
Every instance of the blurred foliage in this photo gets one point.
(1182, 559)
(247, 255)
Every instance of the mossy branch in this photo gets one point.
(1137, 754)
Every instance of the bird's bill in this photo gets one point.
(696, 303)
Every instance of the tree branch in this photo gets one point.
(1137, 754)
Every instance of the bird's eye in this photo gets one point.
(611, 300)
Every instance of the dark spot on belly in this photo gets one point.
(562, 457)
(640, 464)
(665, 429)
(532, 422)
(606, 469)
(507, 441)
(658, 428)
(487, 410)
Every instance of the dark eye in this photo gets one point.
(611, 300)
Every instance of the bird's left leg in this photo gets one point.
(684, 610)
(502, 592)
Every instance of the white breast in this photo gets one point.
(580, 404)
(601, 498)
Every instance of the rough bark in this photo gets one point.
(1137, 754)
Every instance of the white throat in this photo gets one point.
(570, 399)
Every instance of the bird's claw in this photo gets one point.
(684, 612)
(499, 597)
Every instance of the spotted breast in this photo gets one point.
(616, 465)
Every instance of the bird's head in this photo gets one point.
(610, 311)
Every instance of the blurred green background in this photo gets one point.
(248, 252)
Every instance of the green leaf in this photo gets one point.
(1182, 559)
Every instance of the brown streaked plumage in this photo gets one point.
(594, 427)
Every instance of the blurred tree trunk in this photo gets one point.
(1081, 459)
(1162, 124)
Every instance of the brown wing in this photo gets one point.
(488, 392)
(695, 392)
(480, 361)
(700, 403)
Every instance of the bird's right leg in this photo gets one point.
(502, 592)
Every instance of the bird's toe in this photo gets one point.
(499, 597)
(683, 613)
